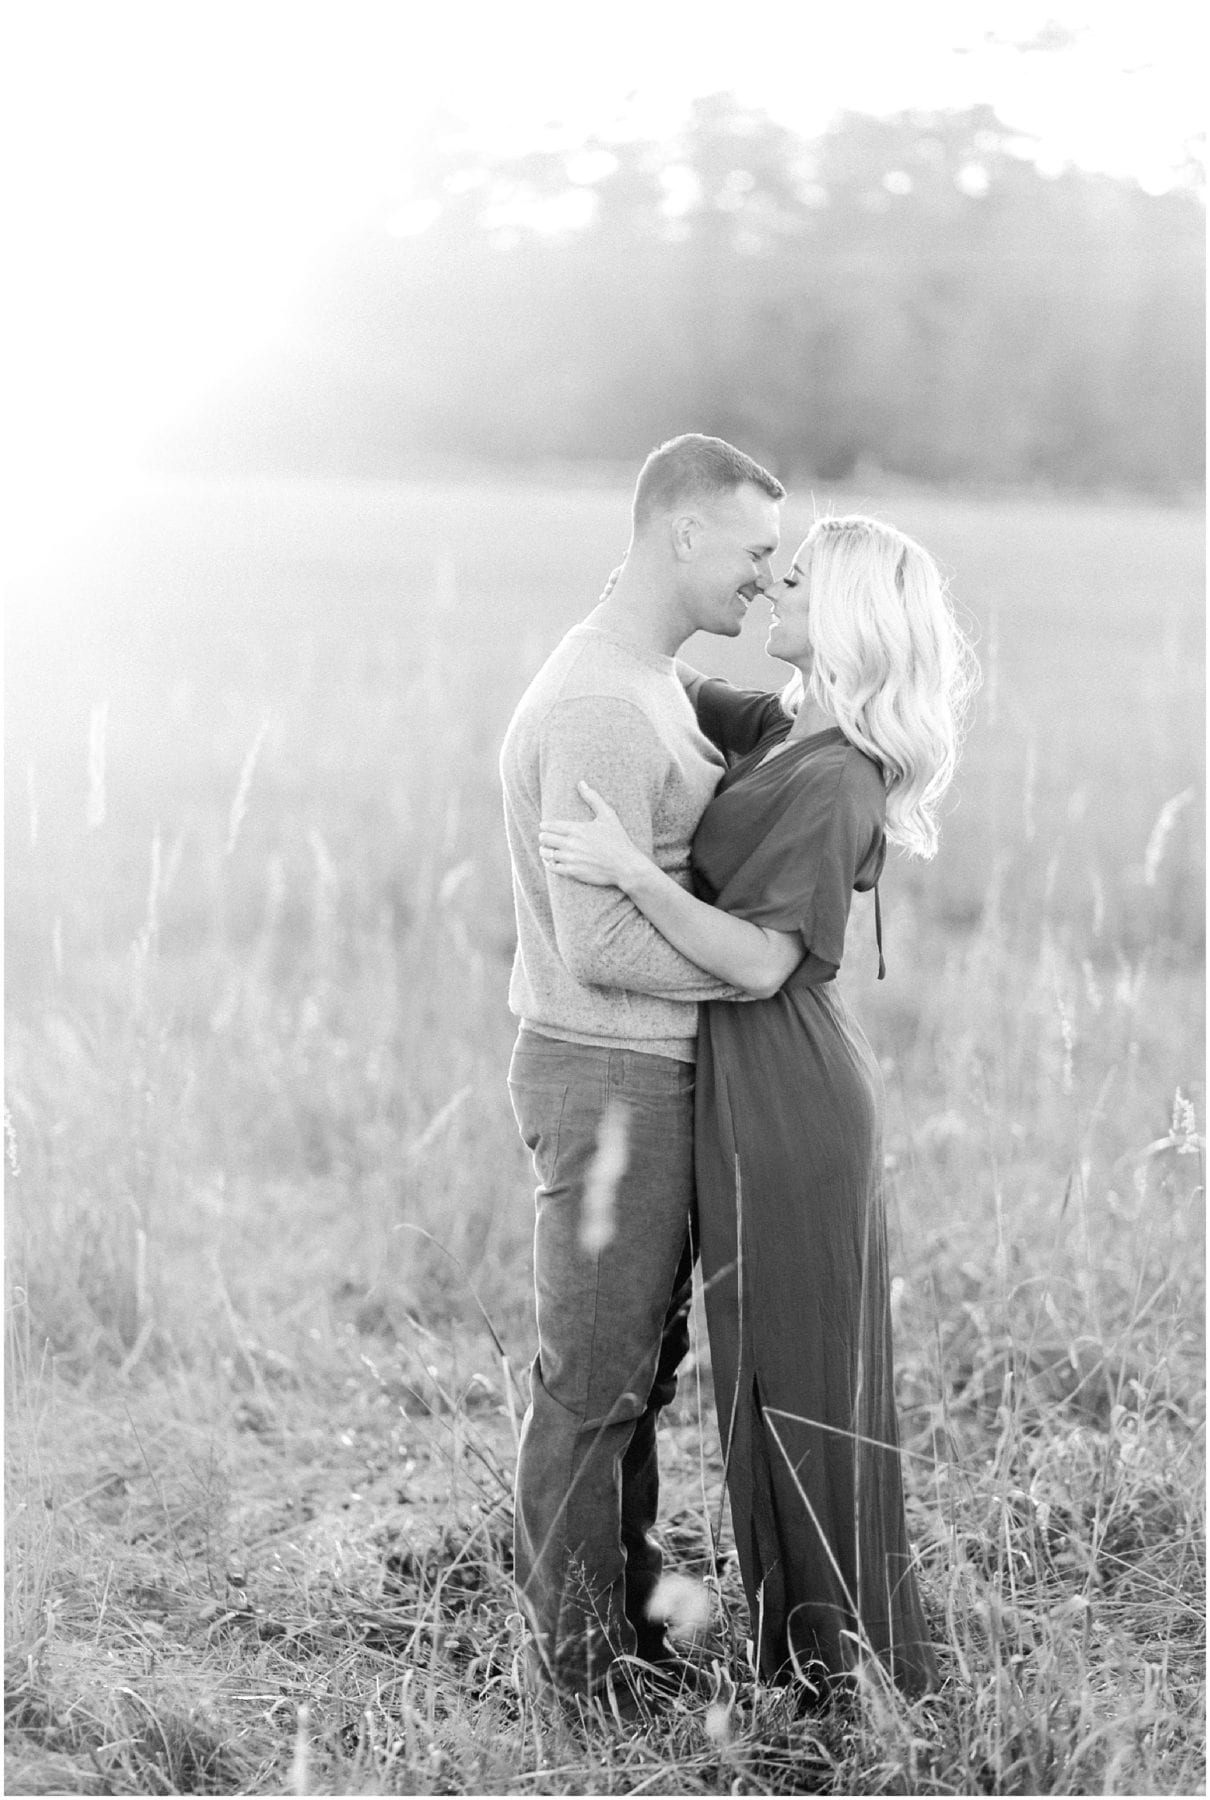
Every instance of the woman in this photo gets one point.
(858, 749)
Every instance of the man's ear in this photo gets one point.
(686, 534)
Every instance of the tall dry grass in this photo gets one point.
(264, 1185)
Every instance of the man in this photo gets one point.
(602, 1076)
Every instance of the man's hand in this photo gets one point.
(597, 850)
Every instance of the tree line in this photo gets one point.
(912, 293)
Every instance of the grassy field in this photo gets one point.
(268, 1220)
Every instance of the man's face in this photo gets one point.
(727, 557)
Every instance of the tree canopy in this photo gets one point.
(909, 292)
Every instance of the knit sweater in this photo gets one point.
(589, 967)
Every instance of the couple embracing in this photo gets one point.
(684, 856)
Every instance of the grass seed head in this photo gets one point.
(682, 1603)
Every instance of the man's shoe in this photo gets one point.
(671, 1682)
(686, 1677)
(622, 1698)
(633, 1693)
(683, 1680)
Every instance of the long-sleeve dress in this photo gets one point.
(791, 1215)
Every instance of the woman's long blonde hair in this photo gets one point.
(890, 663)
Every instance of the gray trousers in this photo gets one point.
(612, 1327)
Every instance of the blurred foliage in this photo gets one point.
(910, 293)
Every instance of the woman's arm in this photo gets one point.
(598, 851)
(690, 678)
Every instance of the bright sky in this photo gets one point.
(174, 163)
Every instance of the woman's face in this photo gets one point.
(789, 638)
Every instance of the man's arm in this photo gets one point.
(603, 938)
(757, 958)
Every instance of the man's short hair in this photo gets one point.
(692, 467)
